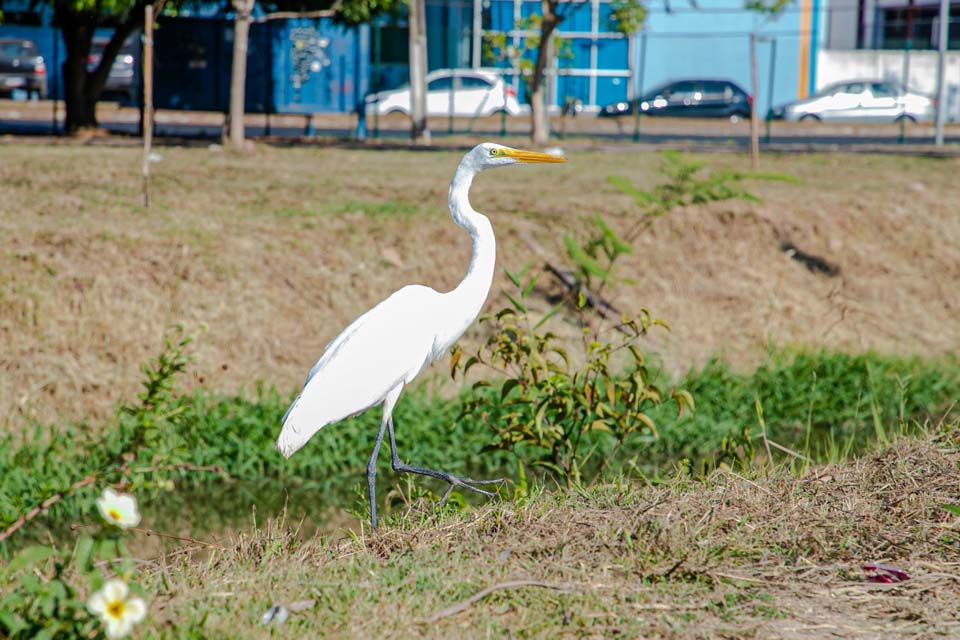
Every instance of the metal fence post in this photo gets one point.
(905, 81)
(58, 74)
(754, 129)
(376, 74)
(772, 77)
(639, 88)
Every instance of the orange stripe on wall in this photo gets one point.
(806, 25)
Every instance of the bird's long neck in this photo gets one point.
(468, 297)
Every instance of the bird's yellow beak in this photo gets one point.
(532, 156)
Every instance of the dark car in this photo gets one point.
(22, 67)
(688, 98)
(122, 79)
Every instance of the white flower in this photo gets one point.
(118, 610)
(118, 509)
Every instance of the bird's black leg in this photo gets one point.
(452, 480)
(372, 476)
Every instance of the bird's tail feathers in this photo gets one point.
(295, 432)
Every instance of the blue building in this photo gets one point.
(313, 65)
(709, 38)
(294, 65)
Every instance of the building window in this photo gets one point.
(918, 26)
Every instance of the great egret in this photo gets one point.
(384, 349)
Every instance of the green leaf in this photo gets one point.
(514, 279)
(625, 187)
(645, 419)
(11, 624)
(684, 400)
(472, 360)
(598, 425)
(520, 307)
(549, 465)
(530, 285)
(48, 633)
(508, 386)
(549, 315)
(29, 557)
(81, 554)
(108, 549)
(454, 360)
(953, 508)
(583, 260)
(618, 243)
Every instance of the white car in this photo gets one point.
(471, 92)
(862, 100)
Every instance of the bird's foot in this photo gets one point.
(450, 479)
(467, 483)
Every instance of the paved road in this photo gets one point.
(35, 119)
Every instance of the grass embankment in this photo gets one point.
(824, 405)
(277, 251)
(764, 553)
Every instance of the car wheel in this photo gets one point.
(907, 119)
(810, 118)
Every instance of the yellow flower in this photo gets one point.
(118, 509)
(118, 610)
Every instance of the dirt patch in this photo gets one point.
(276, 251)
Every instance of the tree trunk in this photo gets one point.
(238, 78)
(82, 88)
(77, 30)
(539, 120)
(419, 133)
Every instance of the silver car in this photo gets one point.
(471, 92)
(861, 100)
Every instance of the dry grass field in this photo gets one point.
(766, 556)
(276, 251)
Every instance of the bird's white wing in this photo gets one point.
(384, 347)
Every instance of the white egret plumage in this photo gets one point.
(380, 352)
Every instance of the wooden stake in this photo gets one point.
(147, 99)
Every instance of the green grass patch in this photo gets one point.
(296, 212)
(384, 208)
(825, 405)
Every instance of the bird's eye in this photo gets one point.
(494, 152)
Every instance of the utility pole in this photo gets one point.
(942, 41)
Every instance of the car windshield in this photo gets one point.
(440, 83)
(473, 82)
(16, 48)
(97, 46)
(650, 94)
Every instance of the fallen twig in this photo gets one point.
(57, 497)
(212, 468)
(154, 532)
(567, 279)
(466, 604)
(160, 534)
